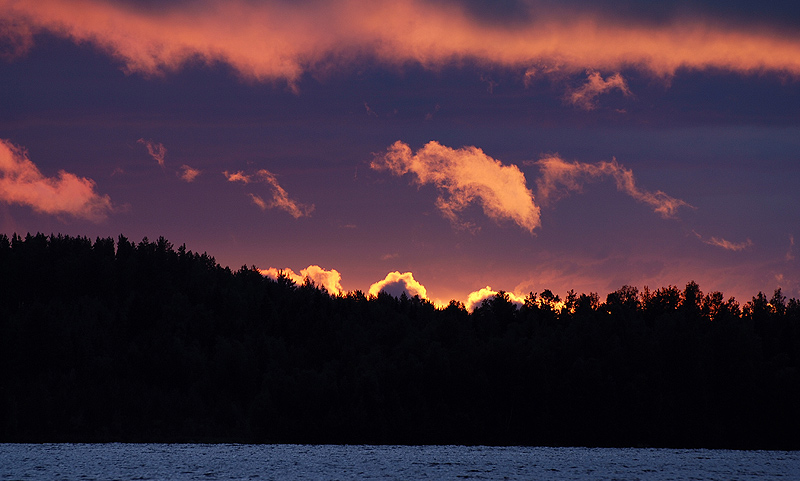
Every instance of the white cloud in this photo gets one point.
(396, 284)
(330, 280)
(464, 176)
(22, 183)
(475, 298)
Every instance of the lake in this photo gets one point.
(187, 462)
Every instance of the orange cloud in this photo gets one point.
(728, 245)
(475, 298)
(328, 279)
(156, 150)
(237, 177)
(464, 176)
(188, 174)
(257, 200)
(280, 198)
(396, 284)
(278, 40)
(559, 177)
(586, 96)
(22, 183)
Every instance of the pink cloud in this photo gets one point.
(22, 183)
(277, 40)
(559, 177)
(728, 245)
(280, 198)
(237, 177)
(464, 176)
(188, 174)
(257, 200)
(585, 97)
(156, 150)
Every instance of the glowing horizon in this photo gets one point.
(449, 149)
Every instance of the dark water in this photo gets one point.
(336, 462)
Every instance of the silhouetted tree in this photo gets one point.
(123, 341)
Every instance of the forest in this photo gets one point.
(114, 340)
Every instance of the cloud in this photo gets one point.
(16, 38)
(396, 284)
(790, 252)
(280, 198)
(725, 244)
(237, 177)
(559, 177)
(273, 273)
(156, 150)
(328, 279)
(586, 96)
(464, 176)
(257, 200)
(728, 245)
(475, 298)
(159, 153)
(188, 174)
(528, 77)
(429, 115)
(22, 183)
(280, 40)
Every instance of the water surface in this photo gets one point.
(189, 462)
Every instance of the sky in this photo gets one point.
(446, 148)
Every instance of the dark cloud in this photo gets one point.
(785, 12)
(493, 11)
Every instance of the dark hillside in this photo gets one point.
(117, 341)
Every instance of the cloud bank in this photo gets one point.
(22, 183)
(328, 279)
(280, 40)
(464, 176)
(559, 177)
(396, 284)
(280, 198)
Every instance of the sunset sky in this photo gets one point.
(451, 145)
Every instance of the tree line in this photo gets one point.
(141, 342)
